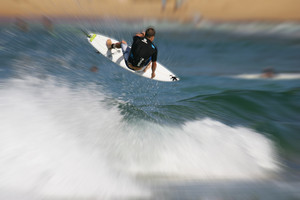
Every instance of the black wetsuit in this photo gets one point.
(142, 52)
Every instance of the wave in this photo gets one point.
(282, 29)
(256, 28)
(278, 118)
(63, 141)
(48, 141)
(281, 76)
(203, 149)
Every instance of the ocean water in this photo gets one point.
(219, 133)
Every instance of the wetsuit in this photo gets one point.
(141, 53)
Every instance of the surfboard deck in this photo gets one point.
(98, 41)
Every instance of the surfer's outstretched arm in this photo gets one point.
(153, 69)
(153, 66)
(142, 34)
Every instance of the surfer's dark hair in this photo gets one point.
(150, 32)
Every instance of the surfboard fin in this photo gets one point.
(174, 78)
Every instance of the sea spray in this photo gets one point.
(43, 138)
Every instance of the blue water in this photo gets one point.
(67, 132)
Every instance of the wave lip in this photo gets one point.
(281, 76)
(200, 150)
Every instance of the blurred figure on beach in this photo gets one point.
(197, 18)
(163, 4)
(178, 4)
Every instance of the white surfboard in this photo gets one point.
(98, 41)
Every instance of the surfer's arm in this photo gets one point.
(142, 34)
(153, 69)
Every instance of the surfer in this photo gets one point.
(268, 73)
(142, 53)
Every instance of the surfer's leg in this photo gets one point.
(119, 44)
(126, 50)
(111, 45)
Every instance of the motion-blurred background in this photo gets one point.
(73, 125)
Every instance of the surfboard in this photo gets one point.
(98, 41)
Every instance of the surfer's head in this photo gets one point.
(150, 33)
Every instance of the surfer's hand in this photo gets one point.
(140, 34)
(153, 75)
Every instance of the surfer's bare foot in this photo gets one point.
(109, 44)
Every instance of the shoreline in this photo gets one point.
(128, 10)
(66, 19)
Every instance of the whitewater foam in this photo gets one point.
(62, 141)
(281, 76)
(44, 146)
(201, 150)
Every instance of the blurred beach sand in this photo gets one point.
(189, 10)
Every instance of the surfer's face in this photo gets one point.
(151, 38)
